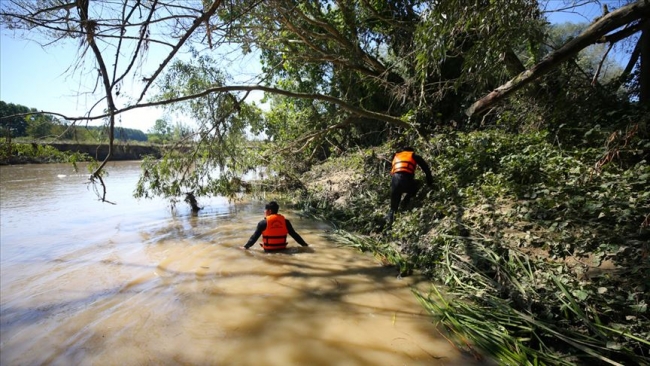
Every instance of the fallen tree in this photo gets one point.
(633, 16)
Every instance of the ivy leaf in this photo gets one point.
(581, 295)
(614, 345)
(640, 308)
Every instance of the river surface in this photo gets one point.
(135, 283)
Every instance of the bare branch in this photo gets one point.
(326, 98)
(197, 23)
(634, 58)
(143, 37)
(628, 31)
(594, 81)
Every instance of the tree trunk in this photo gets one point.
(600, 28)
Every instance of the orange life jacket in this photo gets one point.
(275, 235)
(403, 162)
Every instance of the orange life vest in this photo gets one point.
(275, 235)
(403, 162)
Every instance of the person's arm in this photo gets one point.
(425, 168)
(295, 235)
(261, 226)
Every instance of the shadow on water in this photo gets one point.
(17, 317)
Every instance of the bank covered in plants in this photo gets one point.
(537, 253)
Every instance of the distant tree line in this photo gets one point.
(164, 131)
(21, 121)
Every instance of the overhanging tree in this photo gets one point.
(339, 73)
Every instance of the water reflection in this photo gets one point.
(89, 283)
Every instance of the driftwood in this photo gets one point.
(595, 33)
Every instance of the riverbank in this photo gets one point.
(537, 256)
(121, 151)
(63, 152)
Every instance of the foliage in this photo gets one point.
(164, 131)
(27, 122)
(210, 159)
(129, 134)
(20, 153)
(461, 47)
(342, 50)
(12, 119)
(364, 70)
(161, 127)
(531, 200)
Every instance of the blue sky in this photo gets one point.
(39, 78)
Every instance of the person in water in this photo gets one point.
(274, 229)
(403, 179)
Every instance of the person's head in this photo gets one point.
(272, 207)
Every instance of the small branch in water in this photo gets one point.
(93, 180)
(191, 200)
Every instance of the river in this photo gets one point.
(135, 283)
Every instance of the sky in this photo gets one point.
(38, 77)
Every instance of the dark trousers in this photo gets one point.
(400, 184)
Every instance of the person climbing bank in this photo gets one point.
(274, 229)
(404, 164)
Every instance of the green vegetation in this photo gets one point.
(28, 124)
(542, 253)
(28, 136)
(19, 153)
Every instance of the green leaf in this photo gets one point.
(581, 295)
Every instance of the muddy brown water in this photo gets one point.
(89, 283)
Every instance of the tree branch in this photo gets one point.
(620, 35)
(634, 57)
(248, 88)
(90, 26)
